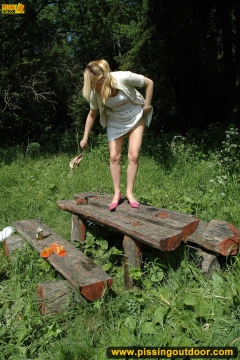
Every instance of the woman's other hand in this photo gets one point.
(84, 144)
(148, 83)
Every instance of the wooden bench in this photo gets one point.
(82, 274)
(159, 228)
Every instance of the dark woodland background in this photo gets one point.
(191, 50)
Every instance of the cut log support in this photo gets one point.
(209, 263)
(13, 243)
(79, 228)
(132, 258)
(54, 297)
(81, 272)
(220, 237)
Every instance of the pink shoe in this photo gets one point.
(134, 204)
(113, 206)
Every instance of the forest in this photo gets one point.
(190, 49)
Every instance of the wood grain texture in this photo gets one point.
(163, 217)
(132, 258)
(154, 233)
(221, 237)
(79, 228)
(80, 271)
(13, 243)
(54, 297)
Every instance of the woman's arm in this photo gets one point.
(148, 83)
(88, 127)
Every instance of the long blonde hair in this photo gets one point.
(94, 71)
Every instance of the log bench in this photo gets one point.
(159, 228)
(81, 273)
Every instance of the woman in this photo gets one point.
(124, 111)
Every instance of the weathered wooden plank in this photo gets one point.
(155, 235)
(80, 271)
(221, 237)
(132, 258)
(54, 297)
(167, 218)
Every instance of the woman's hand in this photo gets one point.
(84, 144)
(147, 109)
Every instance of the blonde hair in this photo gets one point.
(94, 71)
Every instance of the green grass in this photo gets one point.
(174, 303)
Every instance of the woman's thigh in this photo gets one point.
(115, 147)
(135, 138)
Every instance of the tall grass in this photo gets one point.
(174, 303)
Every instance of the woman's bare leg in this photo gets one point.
(134, 145)
(115, 150)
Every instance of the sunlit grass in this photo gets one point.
(174, 304)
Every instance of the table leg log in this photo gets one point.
(54, 297)
(132, 258)
(79, 228)
(209, 263)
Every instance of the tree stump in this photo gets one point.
(54, 297)
(13, 243)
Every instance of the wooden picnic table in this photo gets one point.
(156, 227)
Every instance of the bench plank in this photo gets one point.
(163, 217)
(80, 271)
(153, 234)
(217, 236)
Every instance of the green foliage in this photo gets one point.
(196, 84)
(173, 304)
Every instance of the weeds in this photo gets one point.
(173, 304)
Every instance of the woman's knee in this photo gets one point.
(115, 157)
(133, 156)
